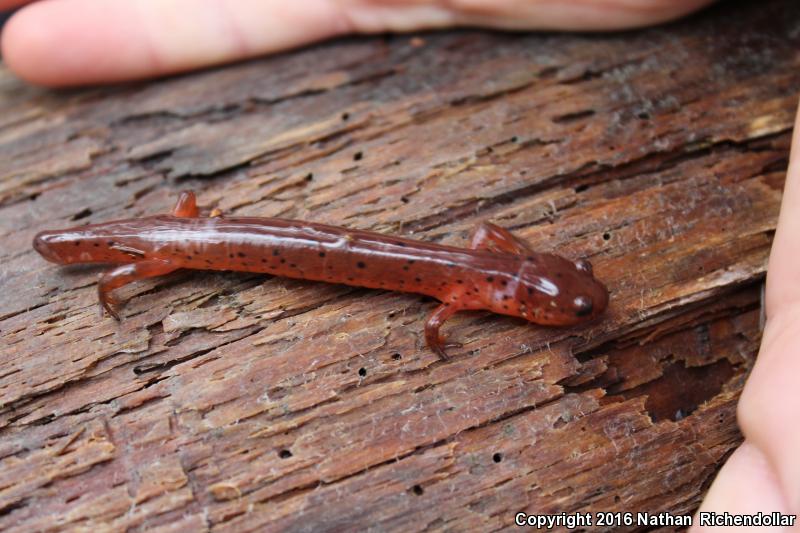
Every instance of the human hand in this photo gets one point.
(78, 42)
(763, 474)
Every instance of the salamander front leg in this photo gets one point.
(186, 206)
(432, 335)
(487, 236)
(124, 274)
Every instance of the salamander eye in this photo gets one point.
(583, 265)
(583, 305)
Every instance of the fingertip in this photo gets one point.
(19, 41)
(56, 44)
(76, 42)
(768, 405)
(746, 484)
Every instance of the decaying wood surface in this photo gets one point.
(237, 402)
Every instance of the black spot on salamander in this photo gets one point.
(241, 254)
(405, 267)
(263, 260)
(506, 297)
(97, 245)
(276, 251)
(110, 243)
(351, 279)
(322, 254)
(530, 291)
(490, 279)
(361, 264)
(503, 283)
(505, 307)
(411, 261)
(77, 243)
(283, 260)
(559, 275)
(418, 280)
(293, 265)
(188, 257)
(459, 281)
(230, 255)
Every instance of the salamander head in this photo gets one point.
(555, 291)
(81, 245)
(52, 246)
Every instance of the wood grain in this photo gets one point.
(236, 402)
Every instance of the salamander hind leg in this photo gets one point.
(186, 206)
(432, 335)
(124, 274)
(487, 236)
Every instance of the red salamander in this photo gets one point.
(498, 272)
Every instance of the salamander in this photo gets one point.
(497, 272)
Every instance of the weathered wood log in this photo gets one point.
(238, 402)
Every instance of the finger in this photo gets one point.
(783, 281)
(403, 15)
(770, 403)
(746, 484)
(71, 42)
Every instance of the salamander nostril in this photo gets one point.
(583, 265)
(583, 305)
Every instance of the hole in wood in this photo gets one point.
(284, 454)
(681, 389)
(83, 213)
